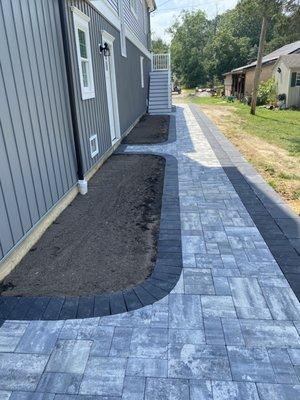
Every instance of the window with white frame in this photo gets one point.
(84, 57)
(298, 79)
(134, 7)
(122, 30)
(142, 71)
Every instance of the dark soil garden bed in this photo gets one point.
(151, 129)
(104, 241)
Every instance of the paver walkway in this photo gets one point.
(229, 330)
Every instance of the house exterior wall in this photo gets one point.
(293, 98)
(38, 168)
(37, 159)
(139, 23)
(113, 4)
(228, 85)
(136, 24)
(283, 81)
(266, 73)
(93, 113)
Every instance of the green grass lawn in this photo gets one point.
(280, 127)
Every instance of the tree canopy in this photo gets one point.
(159, 46)
(202, 49)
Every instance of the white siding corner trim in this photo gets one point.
(84, 56)
(122, 29)
(142, 71)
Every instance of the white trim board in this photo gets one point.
(111, 88)
(113, 18)
(81, 22)
(82, 15)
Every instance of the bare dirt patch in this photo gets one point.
(104, 241)
(151, 129)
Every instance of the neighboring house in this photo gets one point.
(239, 82)
(65, 104)
(287, 76)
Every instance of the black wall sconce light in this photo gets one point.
(104, 49)
(279, 70)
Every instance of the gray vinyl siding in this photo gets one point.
(37, 156)
(93, 113)
(138, 24)
(37, 160)
(114, 4)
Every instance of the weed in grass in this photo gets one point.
(270, 169)
(284, 175)
(296, 195)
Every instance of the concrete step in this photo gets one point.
(159, 92)
(161, 107)
(160, 112)
(159, 83)
(158, 102)
(157, 87)
(159, 77)
(159, 73)
(158, 98)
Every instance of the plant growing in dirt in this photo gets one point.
(266, 93)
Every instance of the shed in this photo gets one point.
(287, 76)
(239, 82)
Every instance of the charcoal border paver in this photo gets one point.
(239, 340)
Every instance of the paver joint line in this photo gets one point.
(229, 329)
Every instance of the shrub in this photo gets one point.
(267, 92)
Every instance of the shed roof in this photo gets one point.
(290, 60)
(284, 50)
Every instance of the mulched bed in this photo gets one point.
(151, 129)
(104, 241)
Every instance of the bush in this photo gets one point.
(267, 92)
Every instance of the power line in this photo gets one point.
(189, 7)
(168, 1)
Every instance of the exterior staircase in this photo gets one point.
(160, 99)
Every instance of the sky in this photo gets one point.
(168, 10)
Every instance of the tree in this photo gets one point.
(268, 9)
(190, 35)
(225, 52)
(159, 46)
(203, 50)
